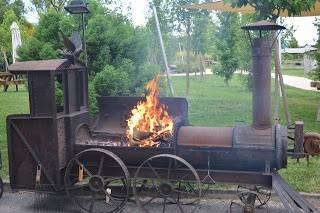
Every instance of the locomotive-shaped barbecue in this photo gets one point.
(62, 148)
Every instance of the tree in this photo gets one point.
(45, 42)
(293, 43)
(201, 38)
(17, 6)
(227, 44)
(182, 21)
(271, 9)
(43, 6)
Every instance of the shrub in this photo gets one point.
(93, 104)
(111, 82)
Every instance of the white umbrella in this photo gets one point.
(16, 40)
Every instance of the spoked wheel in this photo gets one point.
(168, 184)
(312, 143)
(1, 187)
(261, 193)
(187, 191)
(89, 183)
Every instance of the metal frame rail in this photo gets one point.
(291, 199)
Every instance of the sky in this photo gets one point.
(305, 33)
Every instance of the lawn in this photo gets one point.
(211, 103)
(295, 72)
(10, 103)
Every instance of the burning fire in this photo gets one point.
(150, 120)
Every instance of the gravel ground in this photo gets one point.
(30, 202)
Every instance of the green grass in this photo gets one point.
(10, 103)
(211, 103)
(295, 72)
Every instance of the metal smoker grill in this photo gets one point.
(62, 148)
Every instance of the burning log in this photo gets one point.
(150, 122)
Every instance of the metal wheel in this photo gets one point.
(168, 179)
(1, 187)
(89, 183)
(312, 143)
(262, 195)
(190, 191)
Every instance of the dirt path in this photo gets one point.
(298, 82)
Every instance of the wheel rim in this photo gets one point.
(93, 190)
(1, 187)
(263, 195)
(162, 185)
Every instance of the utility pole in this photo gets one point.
(163, 50)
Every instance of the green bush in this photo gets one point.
(93, 104)
(111, 82)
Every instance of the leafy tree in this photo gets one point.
(45, 42)
(170, 41)
(182, 20)
(293, 43)
(43, 6)
(30, 50)
(48, 28)
(271, 9)
(17, 6)
(227, 44)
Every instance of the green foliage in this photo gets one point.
(111, 82)
(30, 50)
(59, 94)
(271, 9)
(227, 45)
(180, 62)
(42, 6)
(48, 28)
(17, 6)
(45, 42)
(293, 43)
(93, 105)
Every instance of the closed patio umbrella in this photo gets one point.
(16, 40)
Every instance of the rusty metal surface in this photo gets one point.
(205, 136)
(261, 83)
(42, 65)
(114, 112)
(312, 143)
(248, 136)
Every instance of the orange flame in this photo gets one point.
(149, 118)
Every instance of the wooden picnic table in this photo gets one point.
(7, 79)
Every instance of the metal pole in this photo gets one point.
(277, 89)
(84, 40)
(278, 72)
(163, 50)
